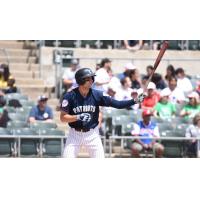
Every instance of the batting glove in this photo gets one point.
(84, 117)
(140, 98)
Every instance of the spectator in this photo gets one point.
(164, 109)
(135, 79)
(198, 88)
(11, 86)
(183, 82)
(4, 75)
(152, 97)
(124, 93)
(41, 112)
(176, 94)
(69, 75)
(133, 44)
(4, 118)
(102, 77)
(146, 128)
(193, 131)
(156, 78)
(159, 82)
(170, 72)
(128, 68)
(98, 64)
(192, 108)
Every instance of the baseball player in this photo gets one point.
(80, 109)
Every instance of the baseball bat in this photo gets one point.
(158, 59)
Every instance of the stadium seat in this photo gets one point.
(24, 102)
(193, 44)
(17, 117)
(174, 44)
(10, 109)
(17, 124)
(28, 146)
(173, 148)
(18, 96)
(6, 144)
(42, 125)
(52, 147)
(117, 122)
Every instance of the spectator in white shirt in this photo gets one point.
(176, 94)
(69, 81)
(124, 93)
(183, 82)
(102, 77)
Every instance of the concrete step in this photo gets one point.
(19, 52)
(11, 44)
(17, 59)
(28, 74)
(28, 81)
(33, 91)
(24, 66)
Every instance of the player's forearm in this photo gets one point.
(122, 104)
(68, 118)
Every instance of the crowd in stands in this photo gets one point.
(168, 96)
(39, 112)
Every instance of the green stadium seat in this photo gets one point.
(28, 146)
(194, 45)
(10, 109)
(52, 147)
(173, 148)
(17, 124)
(174, 44)
(18, 96)
(25, 102)
(6, 144)
(42, 125)
(118, 121)
(17, 117)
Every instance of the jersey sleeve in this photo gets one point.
(64, 106)
(107, 101)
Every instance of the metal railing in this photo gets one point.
(17, 142)
(122, 138)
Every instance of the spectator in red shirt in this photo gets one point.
(152, 97)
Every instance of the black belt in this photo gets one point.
(82, 129)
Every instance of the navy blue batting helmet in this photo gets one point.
(83, 73)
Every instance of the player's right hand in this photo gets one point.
(84, 117)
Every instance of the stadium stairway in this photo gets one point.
(25, 69)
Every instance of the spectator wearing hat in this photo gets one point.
(193, 131)
(193, 106)
(176, 94)
(41, 112)
(152, 97)
(182, 81)
(164, 109)
(69, 75)
(146, 128)
(128, 68)
(103, 77)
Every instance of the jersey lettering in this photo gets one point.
(87, 108)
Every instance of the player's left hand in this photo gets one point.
(85, 117)
(140, 98)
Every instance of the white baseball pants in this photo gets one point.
(91, 140)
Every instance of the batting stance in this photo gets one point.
(80, 108)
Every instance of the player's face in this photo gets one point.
(88, 82)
